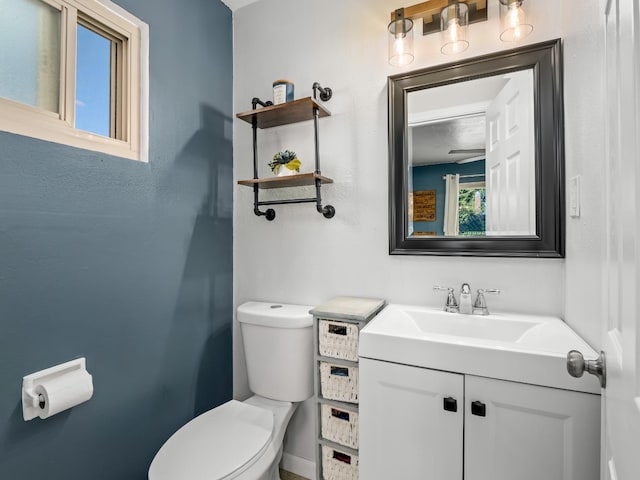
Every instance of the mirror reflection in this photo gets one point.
(471, 153)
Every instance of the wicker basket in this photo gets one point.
(340, 425)
(337, 465)
(338, 339)
(339, 382)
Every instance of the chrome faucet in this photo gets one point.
(479, 306)
(465, 299)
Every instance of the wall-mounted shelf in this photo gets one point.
(287, 113)
(302, 180)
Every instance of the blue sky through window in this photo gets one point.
(93, 82)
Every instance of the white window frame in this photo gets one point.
(472, 185)
(133, 118)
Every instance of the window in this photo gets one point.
(96, 74)
(472, 205)
(75, 72)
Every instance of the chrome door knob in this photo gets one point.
(577, 365)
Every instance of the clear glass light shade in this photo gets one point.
(513, 21)
(401, 42)
(454, 26)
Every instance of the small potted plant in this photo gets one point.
(285, 163)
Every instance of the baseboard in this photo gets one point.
(298, 465)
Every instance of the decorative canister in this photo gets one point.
(282, 91)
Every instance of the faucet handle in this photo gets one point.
(440, 287)
(489, 290)
(451, 306)
(480, 305)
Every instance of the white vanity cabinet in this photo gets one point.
(418, 423)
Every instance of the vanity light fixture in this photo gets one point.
(450, 17)
(513, 21)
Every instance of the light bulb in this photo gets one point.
(515, 19)
(453, 27)
(398, 45)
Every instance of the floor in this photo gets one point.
(284, 475)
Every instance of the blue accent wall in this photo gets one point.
(126, 263)
(429, 177)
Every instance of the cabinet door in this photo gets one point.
(530, 433)
(405, 432)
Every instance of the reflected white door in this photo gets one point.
(510, 173)
(621, 335)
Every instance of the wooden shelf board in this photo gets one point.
(300, 180)
(285, 113)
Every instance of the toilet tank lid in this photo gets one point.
(276, 315)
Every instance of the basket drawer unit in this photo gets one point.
(337, 465)
(336, 331)
(339, 382)
(340, 425)
(338, 339)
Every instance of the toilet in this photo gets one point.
(243, 440)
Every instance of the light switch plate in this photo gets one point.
(574, 196)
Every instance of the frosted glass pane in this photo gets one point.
(93, 82)
(30, 53)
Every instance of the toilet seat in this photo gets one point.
(217, 445)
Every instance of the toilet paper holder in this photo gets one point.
(32, 402)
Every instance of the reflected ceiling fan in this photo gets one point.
(478, 154)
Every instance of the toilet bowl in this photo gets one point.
(243, 440)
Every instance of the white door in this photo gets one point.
(405, 431)
(509, 165)
(515, 431)
(621, 332)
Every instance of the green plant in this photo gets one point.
(287, 158)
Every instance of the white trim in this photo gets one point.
(143, 84)
(472, 185)
(38, 123)
(143, 66)
(299, 466)
(68, 59)
(459, 111)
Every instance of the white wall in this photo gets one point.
(585, 152)
(301, 257)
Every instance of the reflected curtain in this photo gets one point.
(452, 183)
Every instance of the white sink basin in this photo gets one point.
(482, 327)
(523, 348)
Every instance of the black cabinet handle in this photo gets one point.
(450, 404)
(479, 409)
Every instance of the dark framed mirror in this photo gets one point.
(476, 156)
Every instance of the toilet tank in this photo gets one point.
(278, 348)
